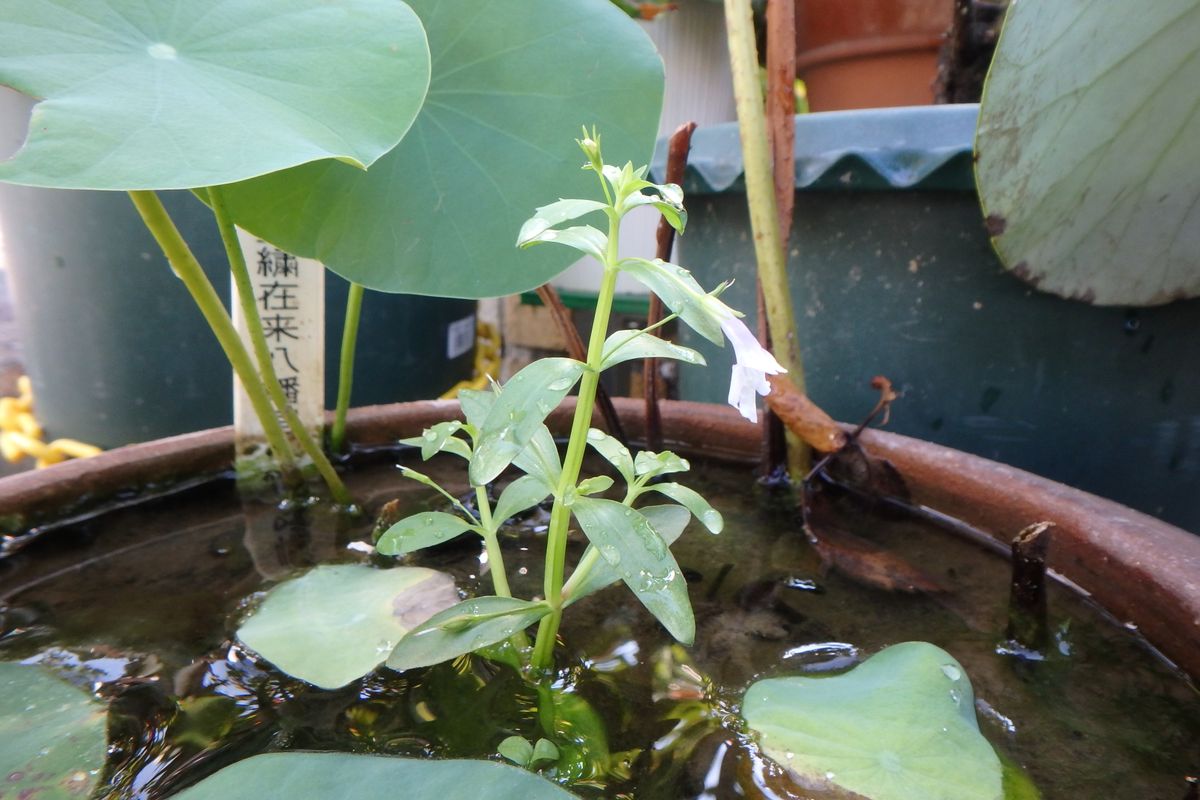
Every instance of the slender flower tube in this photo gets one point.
(753, 364)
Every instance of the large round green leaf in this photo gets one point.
(321, 776)
(174, 94)
(339, 622)
(1088, 153)
(512, 83)
(52, 737)
(899, 726)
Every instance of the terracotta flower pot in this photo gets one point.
(869, 53)
(1140, 569)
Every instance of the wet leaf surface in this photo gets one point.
(52, 735)
(899, 726)
(339, 622)
(298, 776)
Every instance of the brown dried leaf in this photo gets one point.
(868, 563)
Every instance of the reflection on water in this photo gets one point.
(140, 606)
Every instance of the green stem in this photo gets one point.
(496, 557)
(490, 540)
(582, 569)
(560, 515)
(180, 256)
(346, 364)
(760, 194)
(245, 292)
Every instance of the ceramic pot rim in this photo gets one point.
(1142, 570)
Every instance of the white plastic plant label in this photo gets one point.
(289, 293)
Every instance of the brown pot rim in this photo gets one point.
(1142, 570)
(866, 48)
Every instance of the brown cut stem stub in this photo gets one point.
(1027, 622)
(803, 417)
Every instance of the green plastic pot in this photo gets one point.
(116, 351)
(892, 273)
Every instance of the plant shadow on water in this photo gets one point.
(140, 605)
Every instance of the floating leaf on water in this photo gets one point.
(899, 726)
(320, 776)
(52, 735)
(336, 623)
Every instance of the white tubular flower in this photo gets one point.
(754, 364)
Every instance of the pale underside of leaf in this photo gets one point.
(1087, 149)
(176, 94)
(495, 139)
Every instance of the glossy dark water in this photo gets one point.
(140, 605)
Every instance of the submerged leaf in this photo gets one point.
(320, 776)
(336, 623)
(867, 563)
(516, 749)
(899, 726)
(52, 735)
(174, 95)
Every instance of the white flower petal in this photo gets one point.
(741, 391)
(747, 351)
